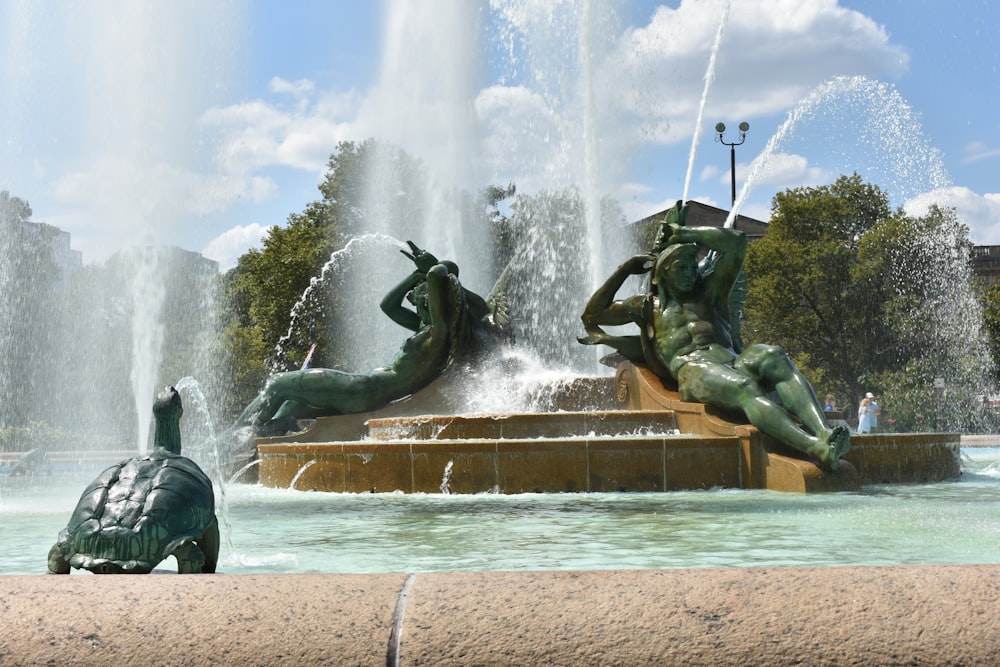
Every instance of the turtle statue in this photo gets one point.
(142, 510)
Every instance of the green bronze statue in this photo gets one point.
(686, 335)
(140, 511)
(447, 321)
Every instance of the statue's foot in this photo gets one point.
(57, 562)
(837, 444)
(190, 558)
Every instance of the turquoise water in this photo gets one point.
(275, 530)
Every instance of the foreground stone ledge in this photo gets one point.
(913, 615)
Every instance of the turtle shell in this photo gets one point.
(136, 513)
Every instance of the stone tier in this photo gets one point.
(654, 442)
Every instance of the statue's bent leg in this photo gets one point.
(771, 365)
(727, 387)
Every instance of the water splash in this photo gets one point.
(355, 257)
(236, 475)
(299, 474)
(446, 477)
(513, 380)
(191, 387)
(709, 79)
(865, 114)
(873, 116)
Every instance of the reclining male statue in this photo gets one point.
(686, 334)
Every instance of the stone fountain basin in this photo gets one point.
(595, 452)
(637, 436)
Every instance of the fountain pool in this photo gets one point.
(285, 531)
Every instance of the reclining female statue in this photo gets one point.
(443, 324)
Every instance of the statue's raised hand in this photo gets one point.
(675, 233)
(423, 259)
(639, 264)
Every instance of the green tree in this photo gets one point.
(801, 290)
(990, 298)
(867, 299)
(261, 291)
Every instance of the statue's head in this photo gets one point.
(168, 404)
(167, 411)
(672, 255)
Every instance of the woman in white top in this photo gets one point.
(868, 413)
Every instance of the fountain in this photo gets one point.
(596, 449)
(403, 448)
(462, 513)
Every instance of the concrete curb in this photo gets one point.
(913, 615)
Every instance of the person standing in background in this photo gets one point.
(868, 413)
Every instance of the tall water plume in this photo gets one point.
(423, 103)
(862, 114)
(108, 94)
(709, 80)
(432, 99)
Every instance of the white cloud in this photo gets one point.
(520, 132)
(757, 211)
(256, 135)
(976, 150)
(781, 171)
(980, 212)
(126, 198)
(709, 172)
(771, 55)
(651, 80)
(231, 244)
(300, 88)
(116, 201)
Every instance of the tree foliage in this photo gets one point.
(865, 298)
(990, 298)
(260, 292)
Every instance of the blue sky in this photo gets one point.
(202, 124)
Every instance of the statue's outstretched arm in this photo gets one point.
(392, 303)
(425, 354)
(603, 308)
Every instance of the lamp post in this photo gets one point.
(720, 128)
